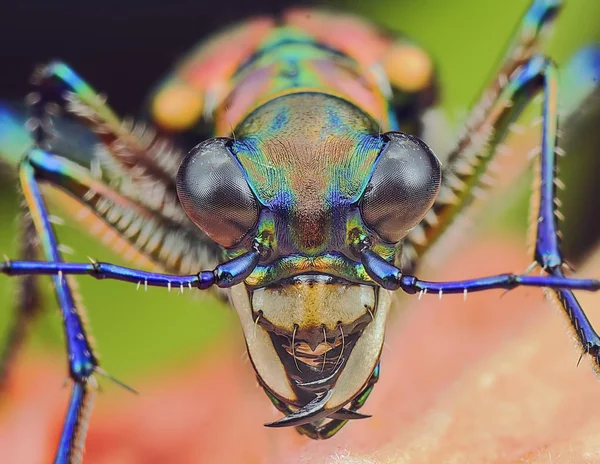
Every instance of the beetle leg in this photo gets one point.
(462, 171)
(128, 180)
(467, 164)
(528, 37)
(472, 152)
(149, 238)
(82, 360)
(118, 209)
(27, 306)
(139, 159)
(225, 275)
(42, 166)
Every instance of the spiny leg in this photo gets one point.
(150, 237)
(129, 181)
(62, 173)
(520, 76)
(169, 246)
(143, 165)
(40, 166)
(70, 447)
(548, 254)
(464, 170)
(467, 161)
(540, 73)
(82, 361)
(537, 20)
(115, 204)
(28, 303)
(56, 83)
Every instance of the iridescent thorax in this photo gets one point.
(291, 61)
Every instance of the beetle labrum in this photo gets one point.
(311, 203)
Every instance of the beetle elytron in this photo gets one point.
(312, 200)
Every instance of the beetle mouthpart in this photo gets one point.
(312, 302)
(308, 413)
(314, 341)
(318, 348)
(314, 321)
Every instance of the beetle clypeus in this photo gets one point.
(311, 202)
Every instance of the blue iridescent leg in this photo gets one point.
(82, 361)
(69, 173)
(225, 275)
(537, 74)
(42, 166)
(70, 446)
(466, 161)
(72, 171)
(391, 278)
(127, 179)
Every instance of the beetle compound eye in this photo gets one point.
(403, 187)
(215, 194)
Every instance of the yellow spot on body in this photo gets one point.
(409, 68)
(177, 107)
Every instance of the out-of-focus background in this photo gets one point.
(124, 48)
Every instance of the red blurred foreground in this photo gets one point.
(489, 380)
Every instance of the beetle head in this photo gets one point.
(309, 180)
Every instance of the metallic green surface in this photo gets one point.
(307, 169)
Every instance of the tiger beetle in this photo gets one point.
(309, 204)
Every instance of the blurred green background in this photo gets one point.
(149, 333)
